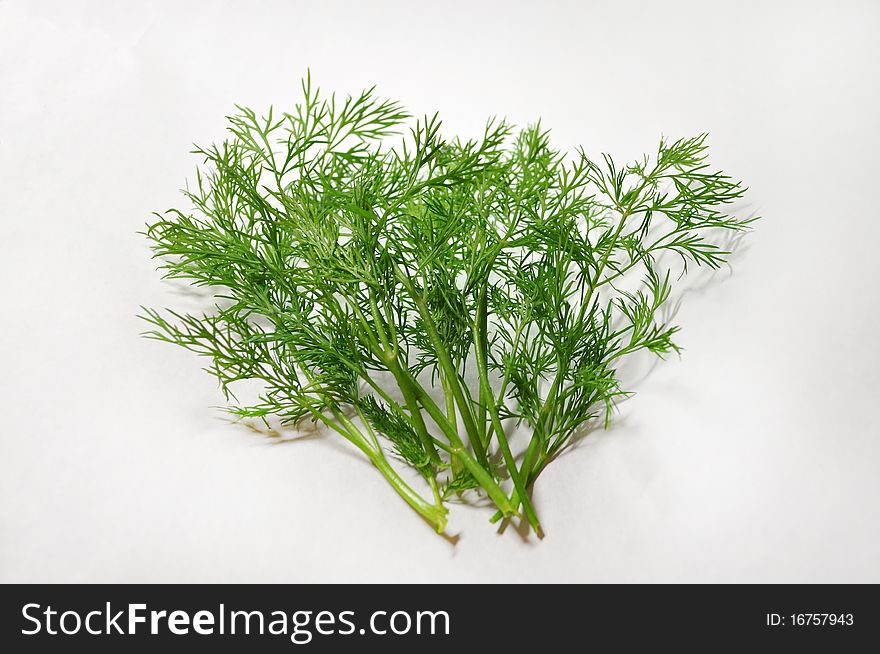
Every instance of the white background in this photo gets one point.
(753, 458)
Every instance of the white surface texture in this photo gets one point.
(752, 458)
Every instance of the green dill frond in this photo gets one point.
(458, 484)
(391, 423)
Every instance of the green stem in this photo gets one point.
(413, 391)
(451, 416)
(415, 394)
(435, 515)
(527, 476)
(487, 401)
(389, 355)
(448, 369)
(550, 401)
(458, 449)
(505, 382)
(412, 404)
(481, 343)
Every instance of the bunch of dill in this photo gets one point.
(421, 295)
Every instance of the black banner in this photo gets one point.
(419, 618)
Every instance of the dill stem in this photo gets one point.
(487, 402)
(448, 368)
(458, 449)
(550, 401)
(435, 515)
(519, 493)
(481, 345)
(414, 391)
(412, 404)
(389, 355)
(526, 475)
(451, 415)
